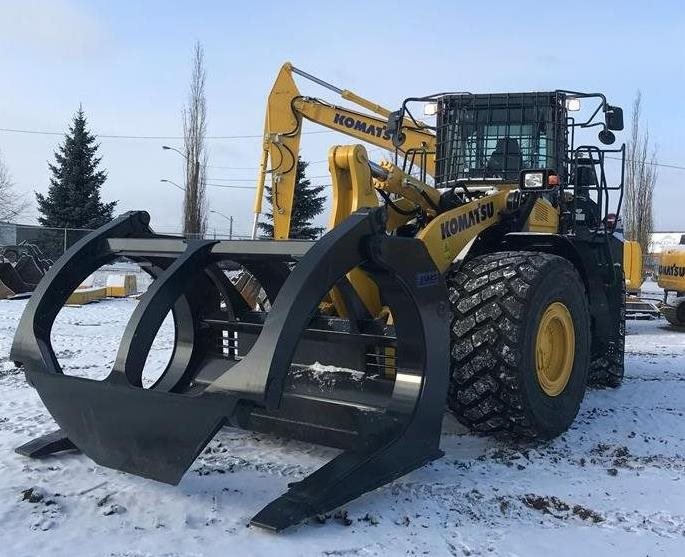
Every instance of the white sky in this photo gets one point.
(128, 63)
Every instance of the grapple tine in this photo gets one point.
(45, 445)
(411, 437)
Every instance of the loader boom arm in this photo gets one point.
(286, 108)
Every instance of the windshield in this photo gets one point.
(494, 137)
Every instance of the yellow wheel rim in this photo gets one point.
(555, 348)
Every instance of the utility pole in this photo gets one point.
(229, 219)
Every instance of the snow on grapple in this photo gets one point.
(486, 292)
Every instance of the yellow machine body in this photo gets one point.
(286, 108)
(445, 234)
(632, 266)
(544, 217)
(671, 275)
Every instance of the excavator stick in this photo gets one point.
(233, 365)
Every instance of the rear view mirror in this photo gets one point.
(613, 116)
(395, 127)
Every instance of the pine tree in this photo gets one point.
(73, 198)
(307, 204)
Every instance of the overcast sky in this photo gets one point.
(128, 64)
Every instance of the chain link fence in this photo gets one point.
(53, 242)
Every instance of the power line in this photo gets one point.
(255, 179)
(371, 150)
(247, 136)
(115, 136)
(665, 165)
(254, 167)
(231, 187)
(249, 187)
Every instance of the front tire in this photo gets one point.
(518, 366)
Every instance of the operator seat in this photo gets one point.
(584, 176)
(506, 160)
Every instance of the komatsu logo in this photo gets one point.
(672, 270)
(467, 220)
(360, 125)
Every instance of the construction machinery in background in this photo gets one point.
(287, 108)
(671, 277)
(496, 290)
(638, 306)
(22, 266)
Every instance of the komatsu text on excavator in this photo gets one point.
(476, 271)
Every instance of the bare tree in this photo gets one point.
(12, 204)
(194, 138)
(641, 175)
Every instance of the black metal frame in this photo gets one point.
(537, 110)
(157, 432)
(511, 125)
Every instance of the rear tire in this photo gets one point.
(498, 301)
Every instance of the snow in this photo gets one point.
(613, 484)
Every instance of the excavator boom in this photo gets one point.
(286, 108)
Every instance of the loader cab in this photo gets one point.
(492, 138)
(495, 140)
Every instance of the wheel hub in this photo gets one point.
(555, 349)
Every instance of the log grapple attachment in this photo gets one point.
(241, 366)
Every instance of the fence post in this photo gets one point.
(230, 229)
(65, 242)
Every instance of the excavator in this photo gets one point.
(287, 108)
(478, 272)
(671, 277)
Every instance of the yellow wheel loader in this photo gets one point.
(477, 271)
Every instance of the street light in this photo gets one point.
(196, 165)
(229, 219)
(167, 148)
(172, 183)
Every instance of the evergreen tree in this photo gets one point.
(307, 204)
(73, 199)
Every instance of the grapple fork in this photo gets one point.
(233, 366)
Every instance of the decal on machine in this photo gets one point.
(463, 222)
(360, 125)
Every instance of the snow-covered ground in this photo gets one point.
(612, 485)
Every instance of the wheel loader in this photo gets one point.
(475, 272)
